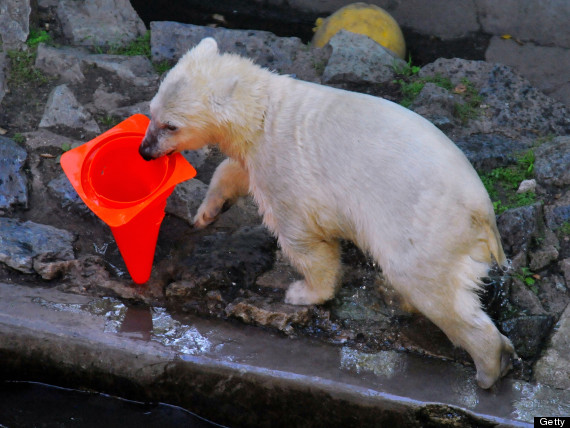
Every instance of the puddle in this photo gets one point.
(144, 323)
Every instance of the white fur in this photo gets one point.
(325, 164)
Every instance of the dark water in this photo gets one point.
(29, 405)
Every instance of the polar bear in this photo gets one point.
(325, 164)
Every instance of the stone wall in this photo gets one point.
(541, 22)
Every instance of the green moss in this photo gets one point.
(406, 69)
(38, 36)
(564, 229)
(22, 69)
(502, 183)
(526, 276)
(139, 46)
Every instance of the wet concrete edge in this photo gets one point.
(234, 394)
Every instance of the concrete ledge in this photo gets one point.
(243, 376)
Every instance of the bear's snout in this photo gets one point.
(149, 142)
(145, 150)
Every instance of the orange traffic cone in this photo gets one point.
(128, 193)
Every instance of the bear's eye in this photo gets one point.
(170, 127)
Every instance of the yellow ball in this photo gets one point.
(362, 18)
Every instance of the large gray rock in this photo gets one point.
(71, 64)
(358, 59)
(99, 22)
(545, 67)
(437, 105)
(517, 227)
(527, 332)
(512, 106)
(554, 367)
(63, 109)
(21, 243)
(552, 164)
(14, 22)
(558, 213)
(186, 198)
(489, 151)
(170, 40)
(13, 182)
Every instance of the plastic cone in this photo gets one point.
(128, 193)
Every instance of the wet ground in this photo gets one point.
(244, 376)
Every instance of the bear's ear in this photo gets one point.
(206, 47)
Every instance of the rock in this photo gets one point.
(527, 333)
(558, 213)
(197, 158)
(186, 198)
(136, 70)
(22, 243)
(448, 22)
(107, 101)
(99, 22)
(260, 311)
(544, 66)
(62, 109)
(126, 111)
(14, 23)
(517, 226)
(170, 40)
(551, 166)
(62, 62)
(71, 65)
(13, 182)
(356, 58)
(527, 186)
(437, 105)
(542, 257)
(525, 299)
(513, 107)
(489, 151)
(222, 260)
(554, 367)
(243, 212)
(43, 138)
(565, 269)
(62, 189)
(3, 83)
(553, 294)
(534, 20)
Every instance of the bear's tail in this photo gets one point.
(494, 244)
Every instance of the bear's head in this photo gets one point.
(204, 99)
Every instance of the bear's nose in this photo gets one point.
(145, 151)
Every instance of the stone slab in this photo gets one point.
(543, 22)
(227, 373)
(545, 67)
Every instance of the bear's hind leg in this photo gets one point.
(319, 262)
(453, 305)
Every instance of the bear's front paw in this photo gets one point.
(300, 294)
(208, 212)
